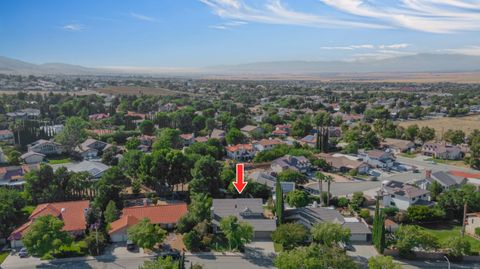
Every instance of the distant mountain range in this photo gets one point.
(407, 64)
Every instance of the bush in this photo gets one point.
(357, 201)
(91, 243)
(457, 247)
(76, 249)
(390, 211)
(477, 231)
(342, 202)
(421, 213)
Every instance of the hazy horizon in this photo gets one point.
(201, 33)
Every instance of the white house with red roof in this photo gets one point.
(241, 152)
(166, 216)
(266, 144)
(71, 213)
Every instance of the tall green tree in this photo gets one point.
(237, 233)
(330, 234)
(409, 237)
(10, 210)
(297, 198)
(290, 235)
(145, 234)
(111, 212)
(314, 257)
(74, 132)
(378, 233)
(45, 236)
(322, 120)
(279, 206)
(206, 176)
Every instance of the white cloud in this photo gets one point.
(435, 16)
(395, 46)
(368, 47)
(275, 12)
(142, 17)
(73, 27)
(228, 25)
(468, 50)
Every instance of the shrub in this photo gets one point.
(477, 231)
(342, 202)
(390, 211)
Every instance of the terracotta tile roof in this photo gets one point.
(158, 214)
(201, 139)
(239, 146)
(279, 132)
(71, 213)
(122, 223)
(187, 136)
(464, 174)
(6, 132)
(269, 142)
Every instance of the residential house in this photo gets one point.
(32, 157)
(27, 113)
(309, 140)
(266, 144)
(472, 222)
(7, 137)
(398, 145)
(90, 148)
(97, 117)
(442, 151)
(13, 176)
(402, 196)
(296, 163)
(46, 147)
(270, 181)
(391, 226)
(309, 216)
(201, 139)
(95, 169)
(166, 216)
(343, 164)
(446, 180)
(251, 130)
(241, 152)
(71, 213)
(187, 139)
(378, 158)
(218, 134)
(248, 210)
(282, 130)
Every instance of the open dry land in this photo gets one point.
(140, 91)
(460, 77)
(441, 125)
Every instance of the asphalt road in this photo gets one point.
(212, 262)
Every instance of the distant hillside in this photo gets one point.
(410, 64)
(407, 64)
(12, 66)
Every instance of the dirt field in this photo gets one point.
(441, 125)
(139, 91)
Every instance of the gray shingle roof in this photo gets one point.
(245, 209)
(444, 178)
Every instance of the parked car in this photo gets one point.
(131, 246)
(23, 253)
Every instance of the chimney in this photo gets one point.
(428, 173)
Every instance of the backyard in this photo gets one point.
(446, 232)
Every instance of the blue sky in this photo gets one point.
(197, 33)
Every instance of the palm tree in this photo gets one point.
(329, 180)
(320, 178)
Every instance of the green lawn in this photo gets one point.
(443, 234)
(59, 161)
(3, 256)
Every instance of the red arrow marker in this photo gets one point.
(239, 183)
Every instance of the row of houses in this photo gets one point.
(250, 210)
